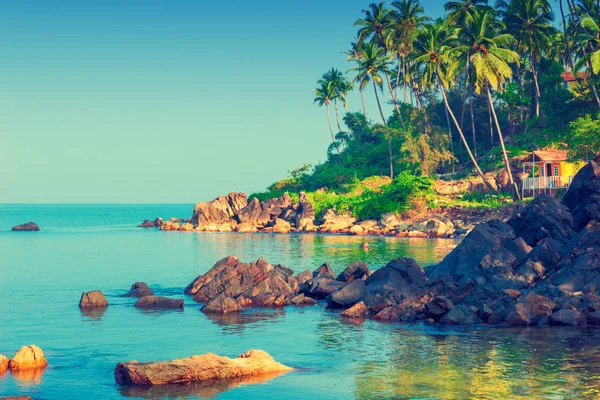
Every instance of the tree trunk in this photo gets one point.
(450, 135)
(473, 125)
(404, 78)
(387, 78)
(564, 21)
(464, 98)
(510, 177)
(491, 126)
(462, 136)
(362, 99)
(329, 120)
(337, 116)
(389, 136)
(398, 78)
(537, 86)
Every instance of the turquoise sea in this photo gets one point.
(85, 247)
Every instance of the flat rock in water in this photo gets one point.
(29, 226)
(158, 303)
(93, 299)
(198, 368)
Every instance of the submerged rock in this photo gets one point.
(359, 310)
(198, 368)
(28, 357)
(139, 289)
(158, 303)
(29, 226)
(93, 299)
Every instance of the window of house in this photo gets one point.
(556, 170)
(543, 170)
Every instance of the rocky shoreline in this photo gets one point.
(540, 267)
(234, 213)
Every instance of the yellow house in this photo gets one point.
(550, 171)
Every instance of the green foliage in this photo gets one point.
(584, 138)
(486, 200)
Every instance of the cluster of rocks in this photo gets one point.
(95, 299)
(28, 357)
(233, 213)
(206, 367)
(542, 266)
(29, 226)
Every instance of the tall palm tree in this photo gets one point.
(337, 86)
(432, 47)
(372, 64)
(490, 57)
(354, 55)
(375, 23)
(323, 97)
(593, 36)
(530, 22)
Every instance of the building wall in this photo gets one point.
(569, 168)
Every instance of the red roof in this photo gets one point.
(569, 77)
(547, 156)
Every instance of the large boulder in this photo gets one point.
(356, 270)
(568, 317)
(583, 195)
(156, 223)
(4, 361)
(437, 307)
(222, 305)
(218, 211)
(324, 271)
(198, 368)
(460, 315)
(305, 215)
(359, 310)
(259, 283)
(253, 214)
(139, 289)
(93, 299)
(29, 226)
(400, 278)
(348, 295)
(320, 287)
(158, 303)
(28, 357)
(281, 226)
(333, 222)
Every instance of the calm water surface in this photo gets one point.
(80, 248)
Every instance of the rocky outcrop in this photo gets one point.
(158, 303)
(4, 361)
(93, 299)
(198, 368)
(139, 289)
(156, 223)
(28, 357)
(220, 210)
(29, 226)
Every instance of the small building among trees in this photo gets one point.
(549, 171)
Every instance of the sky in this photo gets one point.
(159, 101)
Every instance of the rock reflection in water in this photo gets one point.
(203, 389)
(28, 377)
(235, 322)
(93, 313)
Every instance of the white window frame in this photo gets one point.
(556, 170)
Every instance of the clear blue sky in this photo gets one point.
(152, 101)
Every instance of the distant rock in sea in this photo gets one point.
(30, 226)
(93, 299)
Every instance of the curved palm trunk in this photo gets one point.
(387, 78)
(329, 120)
(473, 126)
(362, 99)
(398, 80)
(450, 135)
(464, 98)
(462, 136)
(389, 136)
(510, 177)
(491, 126)
(337, 116)
(564, 21)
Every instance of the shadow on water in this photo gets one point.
(203, 389)
(236, 322)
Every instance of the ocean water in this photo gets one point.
(86, 247)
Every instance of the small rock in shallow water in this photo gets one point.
(30, 226)
(139, 289)
(158, 303)
(28, 357)
(93, 299)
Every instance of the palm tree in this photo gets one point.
(460, 12)
(432, 47)
(375, 23)
(372, 63)
(490, 57)
(337, 86)
(354, 55)
(323, 97)
(593, 37)
(530, 22)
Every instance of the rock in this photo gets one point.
(540, 305)
(568, 317)
(29, 226)
(356, 270)
(305, 215)
(186, 227)
(281, 226)
(158, 303)
(359, 310)
(139, 289)
(197, 368)
(521, 315)
(245, 228)
(93, 299)
(320, 287)
(460, 314)
(302, 300)
(151, 224)
(543, 217)
(222, 305)
(389, 220)
(512, 293)
(582, 197)
(401, 277)
(357, 230)
(438, 307)
(364, 246)
(438, 228)
(368, 224)
(324, 271)
(348, 295)
(4, 361)
(254, 214)
(260, 283)
(220, 210)
(333, 221)
(303, 276)
(169, 226)
(593, 318)
(28, 357)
